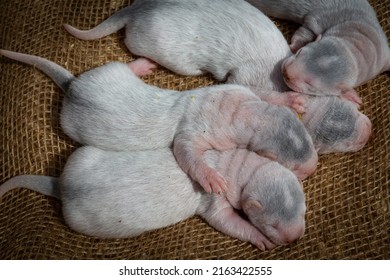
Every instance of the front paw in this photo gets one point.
(212, 181)
(296, 101)
(262, 242)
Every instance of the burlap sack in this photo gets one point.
(348, 205)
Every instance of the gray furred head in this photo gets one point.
(287, 141)
(274, 202)
(336, 125)
(321, 67)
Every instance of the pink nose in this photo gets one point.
(302, 171)
(366, 128)
(293, 234)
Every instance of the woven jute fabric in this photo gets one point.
(348, 198)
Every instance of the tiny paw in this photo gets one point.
(213, 182)
(142, 66)
(296, 101)
(296, 45)
(263, 243)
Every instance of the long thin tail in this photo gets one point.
(112, 24)
(57, 73)
(43, 184)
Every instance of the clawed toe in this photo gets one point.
(214, 182)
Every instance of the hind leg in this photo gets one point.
(142, 66)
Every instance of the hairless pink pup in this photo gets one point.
(339, 46)
(150, 191)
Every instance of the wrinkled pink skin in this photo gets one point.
(300, 80)
(251, 195)
(339, 46)
(189, 151)
(240, 121)
(327, 118)
(313, 110)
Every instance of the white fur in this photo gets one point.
(122, 194)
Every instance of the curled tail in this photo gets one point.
(43, 184)
(112, 24)
(57, 73)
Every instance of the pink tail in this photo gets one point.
(112, 24)
(57, 73)
(43, 184)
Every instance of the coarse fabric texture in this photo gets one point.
(348, 197)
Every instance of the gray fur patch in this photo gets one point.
(282, 199)
(327, 61)
(338, 124)
(292, 140)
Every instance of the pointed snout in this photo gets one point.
(292, 234)
(296, 76)
(364, 128)
(304, 170)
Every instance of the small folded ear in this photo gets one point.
(251, 206)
